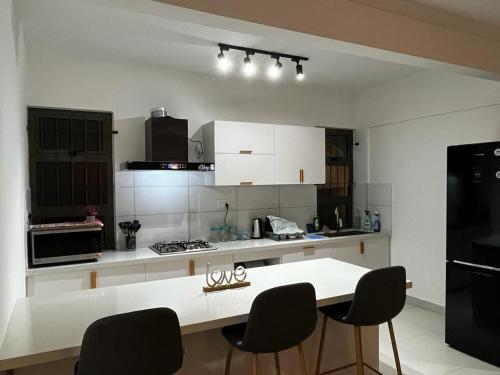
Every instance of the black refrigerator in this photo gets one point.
(473, 250)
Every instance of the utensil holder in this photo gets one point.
(130, 242)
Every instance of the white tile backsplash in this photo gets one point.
(360, 194)
(253, 197)
(161, 178)
(124, 201)
(200, 223)
(297, 195)
(124, 179)
(380, 194)
(161, 200)
(178, 205)
(206, 198)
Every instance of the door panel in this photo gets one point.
(236, 137)
(236, 169)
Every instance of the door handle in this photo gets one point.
(361, 247)
(245, 152)
(246, 183)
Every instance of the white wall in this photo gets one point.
(131, 90)
(13, 166)
(409, 124)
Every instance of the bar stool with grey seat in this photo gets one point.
(379, 297)
(146, 342)
(280, 318)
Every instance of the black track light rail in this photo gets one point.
(253, 51)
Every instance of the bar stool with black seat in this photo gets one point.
(280, 318)
(379, 297)
(146, 342)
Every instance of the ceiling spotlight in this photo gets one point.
(274, 71)
(224, 64)
(249, 68)
(300, 72)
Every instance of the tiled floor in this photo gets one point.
(420, 339)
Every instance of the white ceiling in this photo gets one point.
(103, 29)
(483, 11)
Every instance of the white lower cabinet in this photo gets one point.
(121, 275)
(372, 253)
(219, 262)
(306, 252)
(42, 285)
(167, 270)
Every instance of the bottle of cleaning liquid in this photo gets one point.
(316, 222)
(376, 221)
(367, 222)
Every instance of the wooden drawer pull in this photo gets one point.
(191, 267)
(246, 183)
(93, 279)
(246, 152)
(361, 247)
(309, 247)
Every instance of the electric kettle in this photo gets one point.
(257, 229)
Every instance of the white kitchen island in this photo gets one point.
(45, 333)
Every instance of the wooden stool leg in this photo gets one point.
(302, 359)
(394, 347)
(321, 344)
(277, 363)
(254, 355)
(228, 359)
(359, 350)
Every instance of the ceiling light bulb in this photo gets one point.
(300, 73)
(224, 64)
(249, 68)
(274, 71)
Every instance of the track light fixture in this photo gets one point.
(223, 62)
(249, 68)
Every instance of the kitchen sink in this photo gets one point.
(344, 234)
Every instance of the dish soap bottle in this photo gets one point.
(316, 222)
(367, 223)
(376, 221)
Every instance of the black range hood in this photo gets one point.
(169, 166)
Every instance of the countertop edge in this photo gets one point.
(152, 257)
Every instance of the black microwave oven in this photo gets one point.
(65, 242)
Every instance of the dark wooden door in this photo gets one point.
(338, 187)
(71, 166)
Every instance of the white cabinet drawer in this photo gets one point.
(120, 275)
(59, 283)
(307, 252)
(167, 270)
(235, 137)
(241, 169)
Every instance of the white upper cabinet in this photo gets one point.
(299, 155)
(264, 154)
(243, 137)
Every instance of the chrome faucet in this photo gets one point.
(338, 220)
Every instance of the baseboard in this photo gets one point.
(425, 304)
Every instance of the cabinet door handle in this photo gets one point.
(246, 183)
(361, 247)
(302, 176)
(309, 247)
(245, 152)
(191, 267)
(93, 279)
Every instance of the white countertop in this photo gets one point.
(145, 255)
(50, 328)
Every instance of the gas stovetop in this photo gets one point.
(172, 247)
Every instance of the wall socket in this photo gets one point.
(221, 203)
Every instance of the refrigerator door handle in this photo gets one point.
(476, 266)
